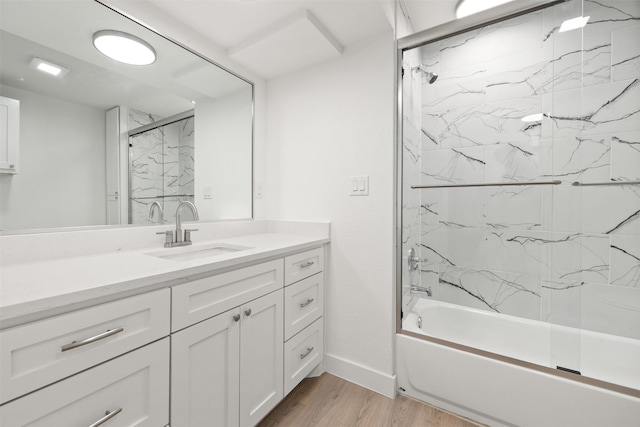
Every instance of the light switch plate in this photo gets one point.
(359, 185)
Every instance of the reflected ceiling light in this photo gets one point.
(124, 47)
(573, 24)
(48, 67)
(469, 7)
(532, 118)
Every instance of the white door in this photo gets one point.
(261, 357)
(205, 372)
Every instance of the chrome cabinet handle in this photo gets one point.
(76, 344)
(307, 264)
(106, 417)
(247, 312)
(304, 304)
(306, 353)
(236, 318)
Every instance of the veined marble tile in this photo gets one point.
(625, 261)
(625, 156)
(582, 159)
(608, 16)
(137, 118)
(578, 257)
(461, 246)
(625, 61)
(454, 88)
(611, 310)
(604, 109)
(430, 206)
(463, 207)
(561, 302)
(518, 251)
(562, 209)
(431, 126)
(454, 166)
(611, 210)
(513, 162)
(508, 293)
(515, 208)
(491, 42)
(488, 124)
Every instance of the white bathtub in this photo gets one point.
(596, 355)
(504, 394)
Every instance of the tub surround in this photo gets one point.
(47, 274)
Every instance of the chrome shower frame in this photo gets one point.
(469, 23)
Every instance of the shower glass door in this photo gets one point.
(520, 165)
(161, 170)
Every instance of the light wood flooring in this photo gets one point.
(333, 402)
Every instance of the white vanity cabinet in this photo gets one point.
(227, 370)
(304, 309)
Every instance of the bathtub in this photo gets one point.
(497, 392)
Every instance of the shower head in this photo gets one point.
(430, 76)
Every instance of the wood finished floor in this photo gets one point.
(332, 401)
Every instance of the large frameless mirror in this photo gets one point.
(102, 141)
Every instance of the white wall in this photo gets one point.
(223, 156)
(59, 142)
(325, 124)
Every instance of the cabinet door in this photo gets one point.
(131, 390)
(261, 357)
(205, 372)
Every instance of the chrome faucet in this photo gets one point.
(179, 239)
(156, 206)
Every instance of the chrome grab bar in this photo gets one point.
(592, 184)
(486, 184)
(76, 344)
(106, 417)
(306, 353)
(306, 303)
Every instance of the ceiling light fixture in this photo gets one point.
(124, 47)
(574, 24)
(469, 7)
(48, 67)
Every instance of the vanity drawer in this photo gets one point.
(134, 388)
(302, 354)
(201, 299)
(39, 353)
(303, 303)
(302, 265)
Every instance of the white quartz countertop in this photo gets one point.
(34, 290)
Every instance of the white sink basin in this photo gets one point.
(188, 253)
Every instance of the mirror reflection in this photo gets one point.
(101, 141)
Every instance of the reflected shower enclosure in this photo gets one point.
(161, 154)
(519, 173)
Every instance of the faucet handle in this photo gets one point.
(187, 234)
(168, 240)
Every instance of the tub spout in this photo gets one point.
(421, 290)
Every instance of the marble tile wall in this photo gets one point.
(563, 254)
(162, 163)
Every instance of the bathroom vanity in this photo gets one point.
(213, 334)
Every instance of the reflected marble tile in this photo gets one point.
(515, 162)
(516, 208)
(464, 165)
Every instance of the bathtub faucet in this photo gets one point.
(421, 290)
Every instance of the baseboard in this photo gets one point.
(362, 375)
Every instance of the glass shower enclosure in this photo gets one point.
(519, 189)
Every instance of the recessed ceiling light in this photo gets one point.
(469, 7)
(124, 47)
(574, 24)
(48, 67)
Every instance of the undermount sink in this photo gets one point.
(188, 253)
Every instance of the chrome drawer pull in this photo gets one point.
(307, 264)
(98, 337)
(106, 418)
(306, 353)
(304, 304)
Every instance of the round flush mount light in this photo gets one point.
(124, 47)
(469, 7)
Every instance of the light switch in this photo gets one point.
(206, 192)
(359, 185)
